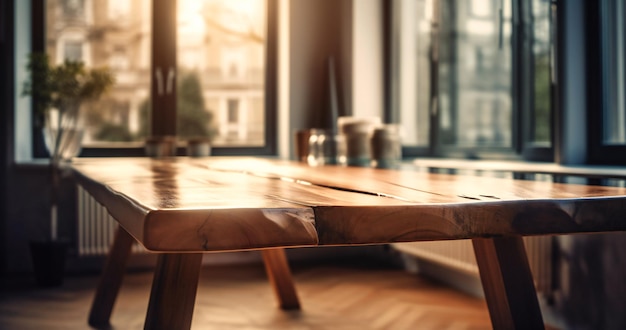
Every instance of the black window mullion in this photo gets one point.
(163, 70)
(599, 83)
(38, 35)
(434, 100)
(271, 81)
(520, 80)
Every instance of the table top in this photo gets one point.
(236, 203)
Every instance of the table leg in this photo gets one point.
(508, 283)
(173, 291)
(111, 280)
(279, 274)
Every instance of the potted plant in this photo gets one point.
(58, 93)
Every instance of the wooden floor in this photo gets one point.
(338, 295)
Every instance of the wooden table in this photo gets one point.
(183, 207)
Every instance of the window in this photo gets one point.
(470, 80)
(607, 57)
(540, 37)
(73, 50)
(233, 111)
(614, 60)
(73, 8)
(229, 37)
(175, 77)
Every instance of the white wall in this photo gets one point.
(348, 30)
(367, 58)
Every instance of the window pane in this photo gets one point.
(541, 130)
(614, 60)
(221, 70)
(412, 48)
(107, 33)
(475, 108)
(73, 50)
(73, 9)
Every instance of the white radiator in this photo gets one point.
(96, 227)
(459, 256)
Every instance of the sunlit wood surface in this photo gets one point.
(339, 296)
(184, 205)
(232, 203)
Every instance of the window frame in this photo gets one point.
(528, 149)
(163, 124)
(522, 146)
(599, 152)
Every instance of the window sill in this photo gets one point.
(587, 171)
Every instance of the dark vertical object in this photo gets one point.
(37, 25)
(38, 28)
(570, 139)
(434, 53)
(271, 80)
(521, 83)
(554, 86)
(598, 34)
(333, 103)
(391, 114)
(452, 39)
(163, 73)
(49, 262)
(6, 116)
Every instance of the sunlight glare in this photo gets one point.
(190, 17)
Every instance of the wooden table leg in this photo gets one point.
(279, 274)
(508, 283)
(174, 289)
(111, 280)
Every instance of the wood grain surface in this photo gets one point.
(234, 203)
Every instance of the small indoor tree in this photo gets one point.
(58, 91)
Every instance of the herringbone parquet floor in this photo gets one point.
(333, 295)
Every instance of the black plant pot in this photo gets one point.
(49, 262)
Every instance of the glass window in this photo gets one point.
(475, 74)
(413, 67)
(469, 79)
(614, 61)
(124, 48)
(73, 8)
(233, 111)
(223, 43)
(540, 37)
(73, 50)
(220, 52)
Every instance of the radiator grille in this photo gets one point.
(96, 227)
(459, 255)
